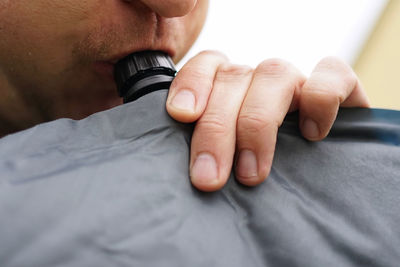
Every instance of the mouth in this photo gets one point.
(122, 55)
(106, 67)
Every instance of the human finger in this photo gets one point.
(267, 102)
(191, 88)
(213, 140)
(332, 84)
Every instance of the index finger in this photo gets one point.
(190, 90)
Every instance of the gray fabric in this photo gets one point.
(113, 190)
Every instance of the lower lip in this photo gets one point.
(105, 69)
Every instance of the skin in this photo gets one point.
(56, 60)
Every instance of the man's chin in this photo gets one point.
(92, 98)
(83, 110)
(104, 69)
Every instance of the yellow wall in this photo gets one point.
(378, 65)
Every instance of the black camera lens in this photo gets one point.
(143, 72)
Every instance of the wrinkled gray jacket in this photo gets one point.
(113, 190)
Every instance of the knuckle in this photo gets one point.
(273, 67)
(232, 72)
(349, 79)
(343, 70)
(283, 72)
(213, 123)
(333, 80)
(213, 53)
(324, 91)
(331, 63)
(193, 73)
(194, 78)
(252, 122)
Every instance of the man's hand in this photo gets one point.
(239, 109)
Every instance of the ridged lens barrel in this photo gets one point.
(143, 72)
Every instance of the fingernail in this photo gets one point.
(247, 166)
(204, 169)
(184, 100)
(310, 129)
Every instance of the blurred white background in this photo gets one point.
(300, 31)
